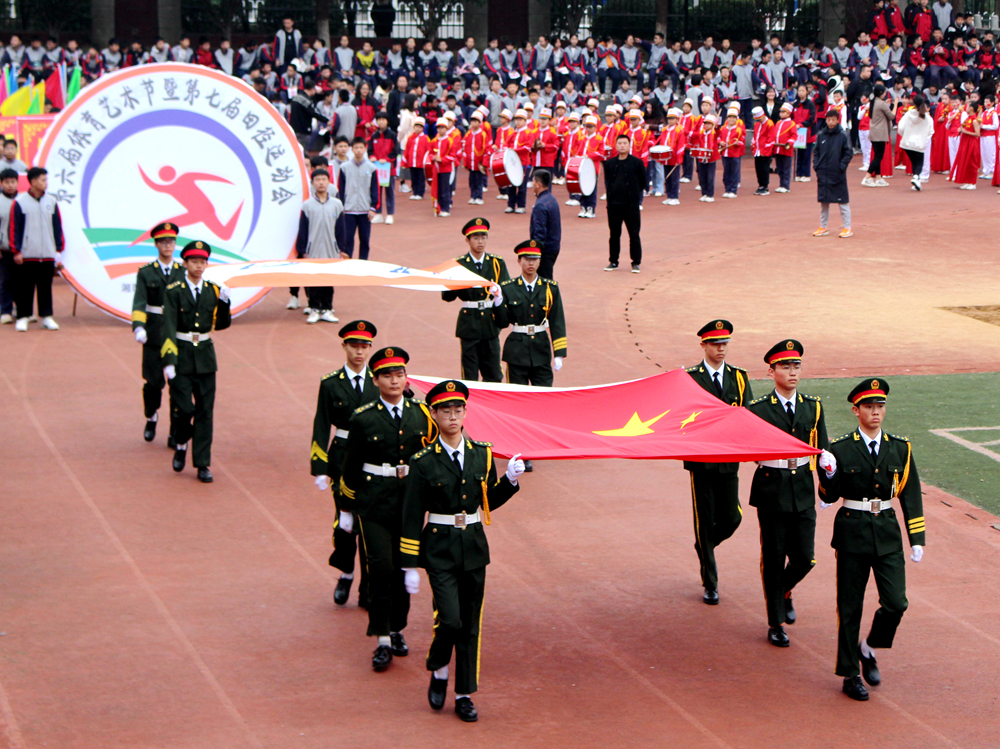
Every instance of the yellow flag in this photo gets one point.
(37, 105)
(17, 103)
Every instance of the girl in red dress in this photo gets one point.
(969, 159)
(940, 162)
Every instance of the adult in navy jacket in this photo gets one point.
(546, 225)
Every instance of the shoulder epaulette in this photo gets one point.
(509, 280)
(328, 376)
(421, 453)
(738, 369)
(149, 264)
(176, 264)
(693, 369)
(897, 437)
(760, 400)
(361, 409)
(482, 444)
(212, 284)
(175, 284)
(811, 397)
(840, 438)
(550, 281)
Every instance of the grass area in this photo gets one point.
(920, 403)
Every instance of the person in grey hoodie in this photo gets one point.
(317, 240)
(742, 74)
(360, 195)
(36, 239)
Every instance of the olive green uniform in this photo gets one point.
(475, 327)
(194, 362)
(785, 498)
(715, 487)
(535, 316)
(455, 557)
(376, 439)
(337, 400)
(870, 542)
(147, 313)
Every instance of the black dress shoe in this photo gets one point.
(342, 592)
(711, 597)
(149, 433)
(180, 458)
(465, 710)
(777, 637)
(171, 442)
(789, 612)
(205, 476)
(381, 658)
(436, 692)
(528, 468)
(854, 689)
(870, 670)
(399, 644)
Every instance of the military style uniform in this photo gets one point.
(189, 321)
(459, 488)
(715, 486)
(338, 399)
(866, 532)
(533, 316)
(372, 483)
(147, 313)
(475, 327)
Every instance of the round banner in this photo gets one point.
(170, 142)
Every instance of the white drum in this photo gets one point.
(581, 176)
(507, 168)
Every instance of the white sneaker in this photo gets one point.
(518, 210)
(572, 202)
(657, 194)
(328, 316)
(6, 319)
(709, 199)
(313, 318)
(684, 180)
(472, 201)
(901, 166)
(604, 196)
(781, 189)
(868, 182)
(640, 208)
(479, 201)
(21, 326)
(728, 195)
(404, 188)
(444, 214)
(674, 201)
(863, 168)
(414, 197)
(389, 220)
(508, 209)
(582, 213)
(881, 183)
(968, 187)
(591, 214)
(49, 324)
(806, 179)
(501, 196)
(293, 303)
(698, 188)
(307, 310)
(701, 199)
(378, 219)
(798, 179)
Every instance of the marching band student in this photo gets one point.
(591, 146)
(561, 127)
(953, 125)
(476, 150)
(783, 136)
(415, 157)
(501, 140)
(570, 145)
(705, 145)
(864, 132)
(989, 123)
(546, 142)
(691, 123)
(732, 142)
(522, 140)
(763, 149)
(968, 159)
(640, 140)
(675, 139)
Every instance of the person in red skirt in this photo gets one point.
(940, 160)
(968, 160)
(953, 124)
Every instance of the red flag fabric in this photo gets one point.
(665, 416)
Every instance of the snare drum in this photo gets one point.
(581, 176)
(660, 154)
(507, 169)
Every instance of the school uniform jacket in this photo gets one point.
(477, 324)
(521, 308)
(336, 402)
(736, 392)
(437, 484)
(789, 489)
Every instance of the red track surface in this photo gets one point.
(142, 609)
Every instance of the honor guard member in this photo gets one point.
(715, 486)
(454, 481)
(874, 473)
(783, 491)
(532, 307)
(340, 393)
(147, 320)
(193, 309)
(475, 329)
(383, 434)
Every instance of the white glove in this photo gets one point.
(224, 294)
(823, 505)
(515, 467)
(828, 463)
(497, 295)
(411, 579)
(322, 483)
(346, 522)
(918, 553)
(557, 363)
(140, 335)
(169, 372)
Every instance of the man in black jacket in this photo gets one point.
(624, 180)
(546, 223)
(302, 112)
(394, 103)
(863, 85)
(831, 158)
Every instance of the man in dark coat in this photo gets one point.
(546, 223)
(831, 158)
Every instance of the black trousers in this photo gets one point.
(916, 160)
(388, 601)
(458, 608)
(717, 514)
(630, 216)
(546, 268)
(852, 579)
(152, 387)
(706, 178)
(32, 276)
(783, 165)
(523, 375)
(320, 298)
(784, 536)
(192, 402)
(481, 357)
(8, 272)
(878, 153)
(762, 165)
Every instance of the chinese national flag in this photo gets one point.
(665, 416)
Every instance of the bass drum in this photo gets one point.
(581, 176)
(507, 169)
(660, 154)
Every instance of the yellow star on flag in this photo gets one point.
(689, 419)
(635, 427)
